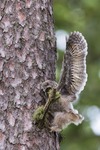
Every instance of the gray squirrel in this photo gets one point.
(72, 81)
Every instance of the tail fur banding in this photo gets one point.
(74, 76)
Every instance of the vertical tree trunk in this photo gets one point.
(27, 58)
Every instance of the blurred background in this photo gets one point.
(83, 16)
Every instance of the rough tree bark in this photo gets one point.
(27, 58)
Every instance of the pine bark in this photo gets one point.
(27, 58)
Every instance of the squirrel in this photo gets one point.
(72, 81)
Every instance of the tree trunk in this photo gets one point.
(27, 58)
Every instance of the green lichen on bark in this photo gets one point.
(38, 114)
(41, 112)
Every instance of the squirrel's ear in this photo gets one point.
(73, 75)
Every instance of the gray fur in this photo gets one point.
(74, 76)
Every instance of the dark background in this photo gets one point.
(83, 16)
